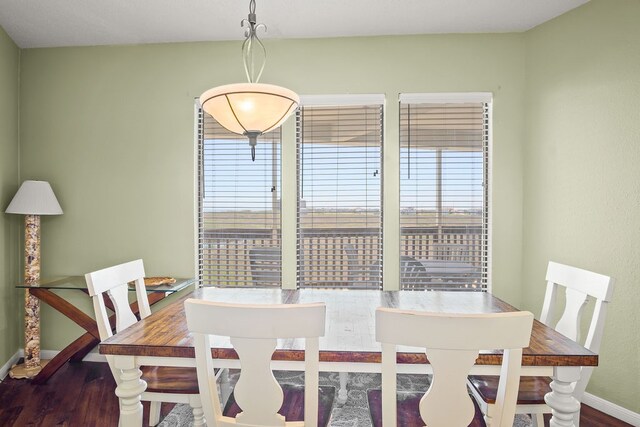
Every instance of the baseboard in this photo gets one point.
(93, 356)
(612, 409)
(4, 371)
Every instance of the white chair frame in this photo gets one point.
(580, 285)
(254, 330)
(114, 282)
(452, 343)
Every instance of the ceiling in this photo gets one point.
(53, 23)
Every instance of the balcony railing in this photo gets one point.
(344, 257)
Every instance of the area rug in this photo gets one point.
(353, 413)
(408, 414)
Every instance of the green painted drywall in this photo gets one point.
(9, 224)
(112, 129)
(582, 173)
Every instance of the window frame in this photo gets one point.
(390, 182)
(343, 100)
(268, 266)
(462, 98)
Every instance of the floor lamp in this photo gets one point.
(34, 198)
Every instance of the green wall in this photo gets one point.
(112, 129)
(9, 224)
(582, 171)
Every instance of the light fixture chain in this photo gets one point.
(253, 55)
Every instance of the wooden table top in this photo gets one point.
(350, 329)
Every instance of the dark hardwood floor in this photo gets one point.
(82, 394)
(79, 394)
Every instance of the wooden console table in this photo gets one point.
(79, 348)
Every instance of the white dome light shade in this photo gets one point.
(249, 108)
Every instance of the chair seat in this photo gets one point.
(408, 409)
(531, 392)
(167, 379)
(293, 405)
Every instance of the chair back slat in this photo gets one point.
(449, 389)
(254, 330)
(257, 391)
(452, 343)
(569, 323)
(119, 297)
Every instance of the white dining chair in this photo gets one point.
(266, 266)
(164, 384)
(452, 343)
(413, 274)
(357, 272)
(254, 330)
(580, 286)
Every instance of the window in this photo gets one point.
(444, 142)
(443, 193)
(238, 207)
(339, 156)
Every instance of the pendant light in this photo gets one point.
(252, 108)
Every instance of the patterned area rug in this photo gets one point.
(353, 413)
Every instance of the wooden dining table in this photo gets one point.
(349, 343)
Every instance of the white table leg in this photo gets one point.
(129, 391)
(342, 393)
(564, 406)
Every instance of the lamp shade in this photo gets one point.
(34, 198)
(246, 108)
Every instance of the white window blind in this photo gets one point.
(239, 208)
(444, 194)
(339, 230)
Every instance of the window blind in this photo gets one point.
(444, 195)
(339, 226)
(238, 207)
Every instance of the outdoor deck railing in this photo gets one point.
(346, 257)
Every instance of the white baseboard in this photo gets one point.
(93, 356)
(612, 409)
(4, 371)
